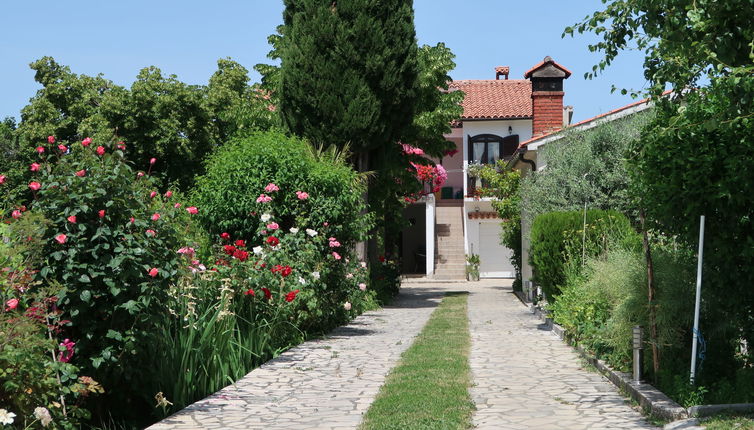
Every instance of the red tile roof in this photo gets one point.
(483, 215)
(495, 99)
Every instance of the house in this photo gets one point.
(498, 115)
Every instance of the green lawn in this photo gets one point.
(428, 389)
(728, 423)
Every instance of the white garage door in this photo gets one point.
(495, 258)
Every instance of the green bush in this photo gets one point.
(239, 172)
(557, 237)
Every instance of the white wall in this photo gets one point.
(473, 238)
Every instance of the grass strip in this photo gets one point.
(725, 422)
(429, 388)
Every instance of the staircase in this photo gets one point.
(450, 258)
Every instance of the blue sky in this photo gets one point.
(118, 38)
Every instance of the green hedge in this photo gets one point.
(557, 240)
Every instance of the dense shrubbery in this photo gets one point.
(559, 239)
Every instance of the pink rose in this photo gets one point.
(177, 205)
(50, 139)
(153, 272)
(192, 210)
(150, 232)
(347, 306)
(302, 195)
(140, 174)
(168, 194)
(100, 150)
(362, 286)
(273, 226)
(34, 185)
(152, 194)
(121, 146)
(264, 198)
(87, 141)
(34, 167)
(336, 255)
(16, 214)
(155, 216)
(81, 173)
(132, 220)
(65, 356)
(72, 219)
(101, 213)
(62, 148)
(11, 304)
(152, 160)
(61, 238)
(40, 150)
(2, 179)
(271, 188)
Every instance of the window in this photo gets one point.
(488, 148)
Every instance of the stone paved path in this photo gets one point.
(322, 384)
(527, 378)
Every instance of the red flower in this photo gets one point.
(87, 141)
(177, 205)
(2, 179)
(101, 213)
(50, 139)
(72, 219)
(225, 236)
(153, 272)
(273, 241)
(240, 243)
(34, 167)
(11, 304)
(192, 210)
(62, 148)
(291, 296)
(229, 249)
(241, 255)
(382, 258)
(40, 150)
(61, 238)
(132, 220)
(150, 232)
(81, 173)
(16, 214)
(286, 271)
(267, 293)
(249, 292)
(34, 185)
(168, 194)
(121, 146)
(100, 150)
(152, 160)
(155, 216)
(153, 194)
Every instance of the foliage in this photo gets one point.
(697, 178)
(234, 190)
(556, 235)
(106, 234)
(429, 388)
(472, 267)
(584, 167)
(33, 378)
(159, 116)
(371, 49)
(504, 184)
(684, 41)
(258, 300)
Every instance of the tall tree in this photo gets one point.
(349, 71)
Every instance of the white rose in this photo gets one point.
(293, 230)
(347, 306)
(311, 232)
(302, 281)
(43, 415)
(266, 217)
(257, 250)
(315, 275)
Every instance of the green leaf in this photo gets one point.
(86, 296)
(84, 279)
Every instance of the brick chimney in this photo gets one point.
(547, 96)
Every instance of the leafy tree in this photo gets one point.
(683, 40)
(349, 71)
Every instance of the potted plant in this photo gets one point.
(472, 267)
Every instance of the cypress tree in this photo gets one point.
(349, 72)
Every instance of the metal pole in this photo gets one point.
(638, 346)
(698, 299)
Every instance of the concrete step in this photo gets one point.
(450, 275)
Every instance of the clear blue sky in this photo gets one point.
(117, 38)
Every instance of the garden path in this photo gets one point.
(321, 384)
(525, 377)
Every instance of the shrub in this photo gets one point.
(111, 245)
(556, 238)
(234, 190)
